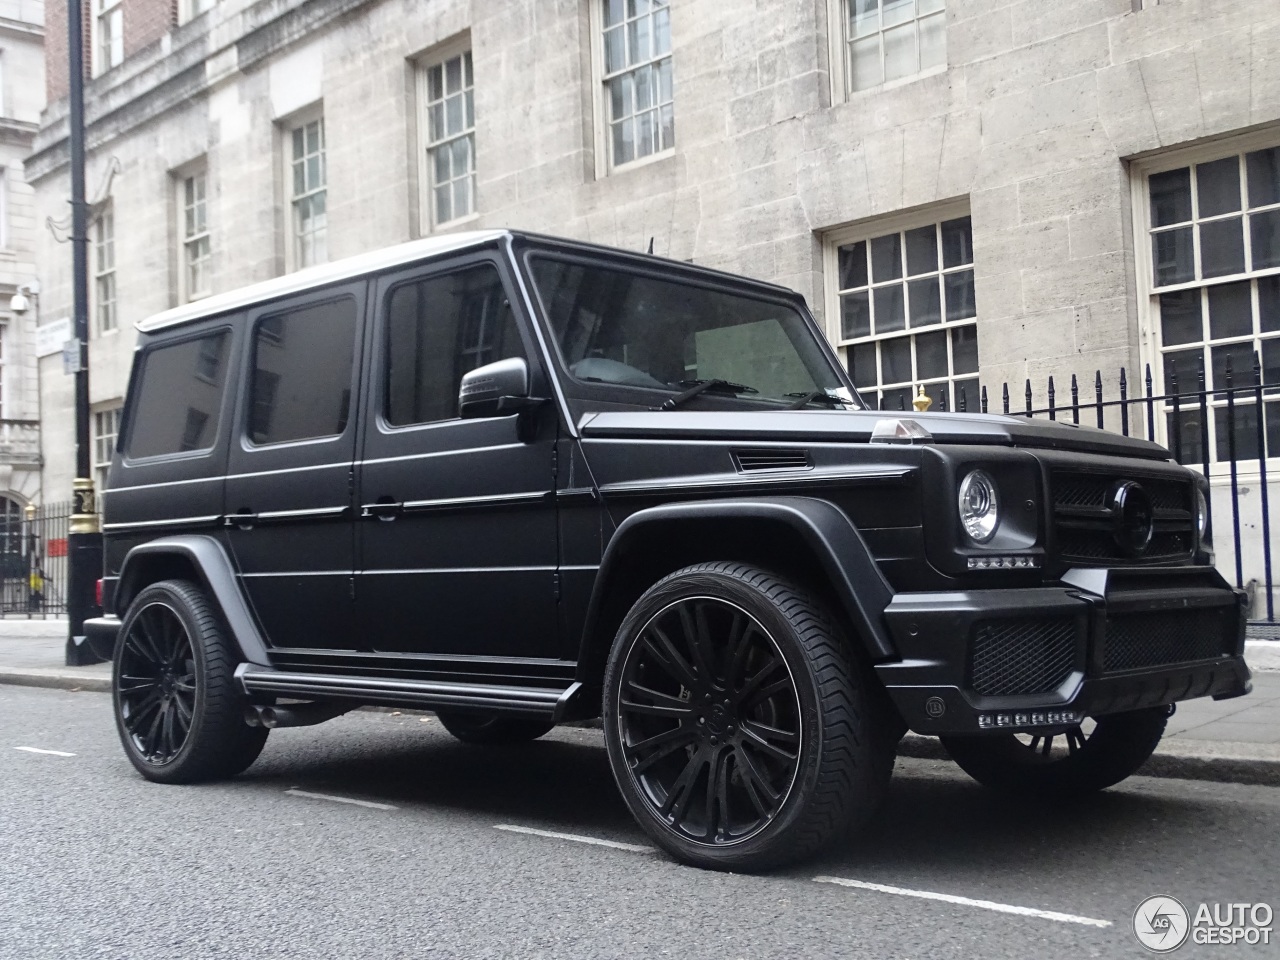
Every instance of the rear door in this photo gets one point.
(457, 530)
(289, 484)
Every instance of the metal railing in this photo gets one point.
(1219, 431)
(33, 561)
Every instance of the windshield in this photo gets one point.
(633, 330)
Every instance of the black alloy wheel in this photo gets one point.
(178, 711)
(1063, 763)
(737, 728)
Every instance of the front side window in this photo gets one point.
(171, 384)
(615, 327)
(104, 270)
(1214, 233)
(195, 236)
(640, 114)
(307, 182)
(447, 95)
(887, 40)
(437, 330)
(108, 26)
(301, 383)
(106, 424)
(907, 313)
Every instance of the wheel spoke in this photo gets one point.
(1075, 739)
(717, 805)
(738, 647)
(669, 658)
(1048, 745)
(681, 792)
(149, 742)
(677, 735)
(662, 705)
(752, 687)
(753, 775)
(132, 685)
(166, 732)
(697, 634)
(139, 711)
(766, 693)
(141, 643)
(757, 742)
(184, 713)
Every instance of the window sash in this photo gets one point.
(447, 118)
(886, 41)
(104, 267)
(636, 80)
(308, 181)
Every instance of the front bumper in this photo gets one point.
(1099, 642)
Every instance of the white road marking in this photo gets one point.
(967, 902)
(295, 792)
(630, 847)
(52, 753)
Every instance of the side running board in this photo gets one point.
(551, 703)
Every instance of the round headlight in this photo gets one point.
(979, 507)
(1202, 513)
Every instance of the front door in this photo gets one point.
(457, 532)
(289, 483)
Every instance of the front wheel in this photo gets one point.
(492, 729)
(177, 708)
(738, 727)
(1070, 763)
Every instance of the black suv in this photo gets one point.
(520, 481)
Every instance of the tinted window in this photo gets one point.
(301, 386)
(437, 330)
(179, 397)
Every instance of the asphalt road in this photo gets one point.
(95, 862)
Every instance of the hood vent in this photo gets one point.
(750, 461)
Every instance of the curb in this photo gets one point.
(56, 679)
(1218, 762)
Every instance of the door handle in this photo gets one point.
(244, 519)
(384, 509)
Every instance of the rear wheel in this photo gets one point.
(177, 708)
(1068, 763)
(739, 729)
(491, 729)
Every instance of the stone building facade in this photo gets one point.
(21, 100)
(967, 191)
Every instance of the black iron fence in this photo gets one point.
(33, 561)
(1227, 432)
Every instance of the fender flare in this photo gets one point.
(862, 590)
(217, 576)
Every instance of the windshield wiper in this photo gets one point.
(829, 399)
(704, 386)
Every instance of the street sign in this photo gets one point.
(51, 336)
(71, 354)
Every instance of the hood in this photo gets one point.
(855, 426)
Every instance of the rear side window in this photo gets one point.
(300, 388)
(179, 397)
(437, 330)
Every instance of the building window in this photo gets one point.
(190, 9)
(194, 281)
(1213, 223)
(448, 123)
(4, 209)
(4, 360)
(307, 180)
(108, 41)
(106, 425)
(636, 72)
(902, 308)
(886, 40)
(104, 270)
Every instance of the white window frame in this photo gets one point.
(194, 241)
(107, 50)
(865, 230)
(1151, 346)
(600, 98)
(294, 259)
(839, 51)
(102, 252)
(104, 441)
(188, 10)
(4, 362)
(427, 146)
(4, 208)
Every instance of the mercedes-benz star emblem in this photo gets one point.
(1132, 517)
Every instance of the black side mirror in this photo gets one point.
(496, 389)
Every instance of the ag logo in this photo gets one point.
(1161, 924)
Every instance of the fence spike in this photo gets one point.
(1097, 394)
(964, 406)
(1151, 408)
(1052, 412)
(1006, 397)
(984, 399)
(1028, 396)
(1235, 480)
(1075, 400)
(1203, 440)
(1262, 486)
(1124, 402)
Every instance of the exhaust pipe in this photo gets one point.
(294, 715)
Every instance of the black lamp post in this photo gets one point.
(84, 541)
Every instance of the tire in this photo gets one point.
(1117, 746)
(178, 710)
(491, 729)
(739, 729)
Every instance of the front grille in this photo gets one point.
(1083, 522)
(1013, 657)
(1135, 641)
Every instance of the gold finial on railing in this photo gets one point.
(923, 401)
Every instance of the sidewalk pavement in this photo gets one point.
(1235, 741)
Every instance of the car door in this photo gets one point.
(457, 528)
(289, 483)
